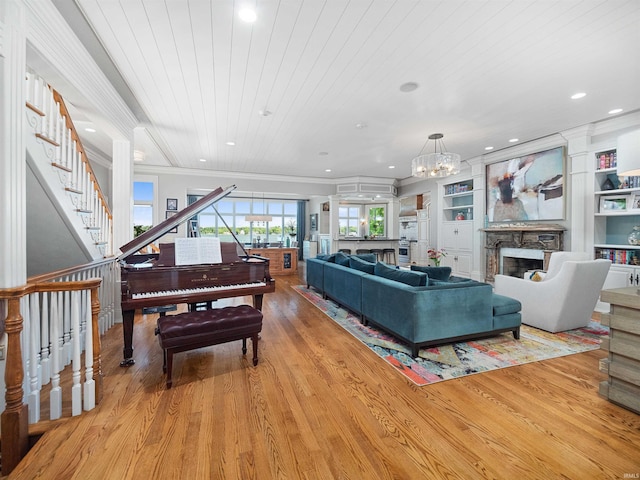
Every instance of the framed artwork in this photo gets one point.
(636, 202)
(169, 214)
(527, 188)
(172, 204)
(314, 222)
(325, 207)
(616, 203)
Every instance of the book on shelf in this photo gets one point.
(619, 256)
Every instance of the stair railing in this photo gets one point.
(48, 324)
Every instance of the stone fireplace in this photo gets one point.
(513, 249)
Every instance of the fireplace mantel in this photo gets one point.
(546, 237)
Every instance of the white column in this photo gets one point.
(122, 194)
(579, 189)
(479, 182)
(12, 144)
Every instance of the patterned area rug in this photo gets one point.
(465, 358)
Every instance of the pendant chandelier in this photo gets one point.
(436, 164)
(253, 217)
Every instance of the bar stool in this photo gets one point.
(345, 250)
(362, 250)
(387, 254)
(378, 253)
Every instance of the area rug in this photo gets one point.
(456, 360)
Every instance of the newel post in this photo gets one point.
(15, 418)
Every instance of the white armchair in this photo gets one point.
(563, 302)
(557, 259)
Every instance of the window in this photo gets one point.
(376, 222)
(234, 211)
(142, 207)
(362, 220)
(349, 220)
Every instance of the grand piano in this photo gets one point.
(154, 280)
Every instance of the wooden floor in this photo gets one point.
(320, 405)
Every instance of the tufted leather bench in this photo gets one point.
(191, 330)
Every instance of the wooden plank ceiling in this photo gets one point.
(329, 74)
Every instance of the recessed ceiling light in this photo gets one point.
(92, 130)
(264, 113)
(488, 148)
(408, 87)
(231, 144)
(323, 153)
(247, 14)
(392, 166)
(203, 159)
(578, 95)
(513, 140)
(361, 125)
(614, 111)
(327, 170)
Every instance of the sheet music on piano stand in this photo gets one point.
(197, 250)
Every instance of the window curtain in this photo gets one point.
(301, 225)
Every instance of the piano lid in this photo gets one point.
(183, 215)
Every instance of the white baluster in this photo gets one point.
(76, 389)
(56, 391)
(51, 115)
(59, 130)
(66, 332)
(89, 383)
(36, 92)
(34, 364)
(28, 87)
(44, 342)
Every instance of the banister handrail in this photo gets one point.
(74, 135)
(45, 277)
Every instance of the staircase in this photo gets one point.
(57, 160)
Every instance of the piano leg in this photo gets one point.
(127, 330)
(257, 301)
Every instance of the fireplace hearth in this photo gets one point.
(512, 249)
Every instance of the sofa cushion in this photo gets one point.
(415, 279)
(367, 257)
(342, 259)
(362, 265)
(322, 257)
(437, 273)
(504, 305)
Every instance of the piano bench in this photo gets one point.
(191, 330)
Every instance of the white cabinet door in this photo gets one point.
(457, 235)
(459, 262)
(619, 277)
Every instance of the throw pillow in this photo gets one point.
(367, 257)
(437, 273)
(536, 277)
(342, 259)
(362, 265)
(415, 279)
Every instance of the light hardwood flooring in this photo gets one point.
(320, 405)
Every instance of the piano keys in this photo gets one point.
(153, 280)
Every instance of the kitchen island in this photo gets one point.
(282, 260)
(358, 243)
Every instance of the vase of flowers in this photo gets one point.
(436, 255)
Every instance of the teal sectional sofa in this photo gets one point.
(423, 308)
